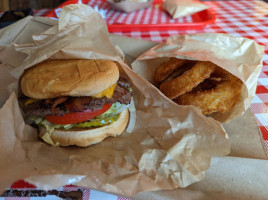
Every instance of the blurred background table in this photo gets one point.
(236, 17)
(24, 4)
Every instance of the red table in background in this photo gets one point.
(239, 18)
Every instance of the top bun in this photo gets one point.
(56, 78)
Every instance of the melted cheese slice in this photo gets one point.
(108, 93)
(29, 101)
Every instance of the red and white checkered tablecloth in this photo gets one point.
(246, 18)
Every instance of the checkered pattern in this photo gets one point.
(151, 15)
(150, 18)
(238, 17)
(22, 188)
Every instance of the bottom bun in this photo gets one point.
(85, 137)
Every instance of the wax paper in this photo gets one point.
(240, 56)
(183, 8)
(128, 6)
(170, 147)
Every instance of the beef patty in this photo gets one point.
(67, 104)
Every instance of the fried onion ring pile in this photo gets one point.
(199, 83)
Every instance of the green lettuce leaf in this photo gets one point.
(97, 122)
(109, 116)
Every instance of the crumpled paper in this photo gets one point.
(171, 146)
(240, 56)
(183, 8)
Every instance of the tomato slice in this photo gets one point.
(77, 117)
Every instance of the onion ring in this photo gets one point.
(188, 79)
(217, 94)
(166, 68)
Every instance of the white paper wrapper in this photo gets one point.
(240, 56)
(183, 8)
(130, 5)
(170, 147)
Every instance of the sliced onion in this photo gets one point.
(122, 108)
(132, 117)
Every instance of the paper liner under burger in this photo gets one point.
(128, 5)
(241, 57)
(183, 8)
(170, 147)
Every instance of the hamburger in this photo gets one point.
(76, 102)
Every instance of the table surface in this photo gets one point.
(239, 18)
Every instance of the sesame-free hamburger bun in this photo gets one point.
(55, 78)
